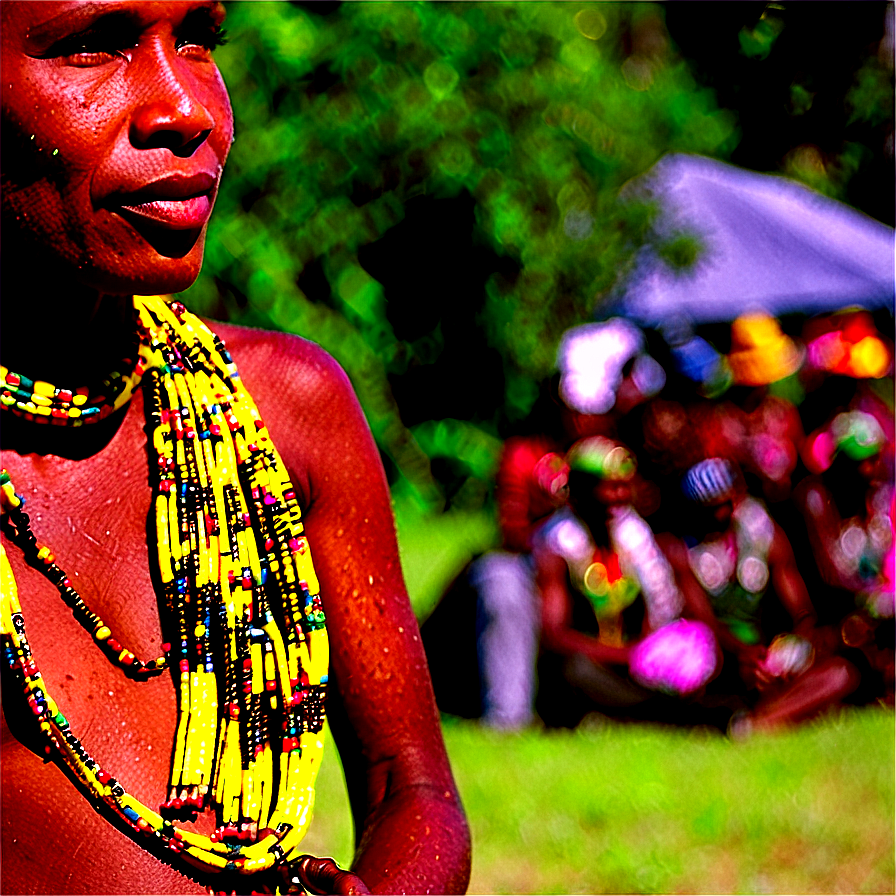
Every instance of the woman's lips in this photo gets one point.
(173, 214)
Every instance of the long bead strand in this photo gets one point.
(248, 644)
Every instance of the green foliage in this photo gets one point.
(540, 111)
(758, 42)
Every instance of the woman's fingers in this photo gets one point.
(323, 876)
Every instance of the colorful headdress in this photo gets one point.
(602, 457)
(711, 480)
(760, 352)
(856, 433)
(849, 344)
(591, 359)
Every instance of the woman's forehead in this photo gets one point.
(25, 18)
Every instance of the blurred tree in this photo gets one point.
(429, 191)
(812, 86)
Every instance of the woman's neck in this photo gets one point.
(67, 335)
(56, 330)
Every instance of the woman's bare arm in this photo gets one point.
(411, 832)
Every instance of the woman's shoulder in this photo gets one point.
(303, 395)
(282, 358)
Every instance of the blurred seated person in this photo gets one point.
(603, 648)
(737, 552)
(530, 486)
(848, 507)
(604, 372)
(765, 365)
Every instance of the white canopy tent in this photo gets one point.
(768, 242)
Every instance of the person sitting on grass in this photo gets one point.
(614, 637)
(737, 554)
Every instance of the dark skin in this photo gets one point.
(136, 100)
(791, 698)
(558, 635)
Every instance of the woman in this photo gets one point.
(116, 126)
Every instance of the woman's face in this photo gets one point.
(116, 125)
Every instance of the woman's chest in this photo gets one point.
(92, 515)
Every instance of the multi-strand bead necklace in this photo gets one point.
(248, 644)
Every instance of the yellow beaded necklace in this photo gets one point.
(248, 642)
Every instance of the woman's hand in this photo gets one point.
(323, 875)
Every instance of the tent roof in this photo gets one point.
(769, 242)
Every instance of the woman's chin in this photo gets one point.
(146, 273)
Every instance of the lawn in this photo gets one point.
(639, 809)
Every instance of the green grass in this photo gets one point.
(638, 809)
(436, 547)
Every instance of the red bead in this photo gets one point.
(64, 395)
(114, 645)
(184, 666)
(103, 776)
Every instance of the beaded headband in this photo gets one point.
(248, 643)
(710, 480)
(602, 457)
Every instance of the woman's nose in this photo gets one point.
(170, 115)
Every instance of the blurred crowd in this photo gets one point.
(702, 534)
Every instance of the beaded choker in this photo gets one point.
(248, 644)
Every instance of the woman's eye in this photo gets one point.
(87, 56)
(201, 40)
(92, 48)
